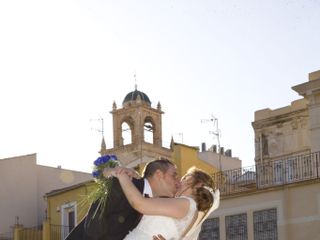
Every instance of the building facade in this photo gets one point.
(279, 197)
(23, 184)
(283, 207)
(67, 206)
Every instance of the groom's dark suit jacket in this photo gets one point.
(116, 222)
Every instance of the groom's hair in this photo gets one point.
(162, 164)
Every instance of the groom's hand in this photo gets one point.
(158, 237)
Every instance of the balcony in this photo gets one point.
(279, 172)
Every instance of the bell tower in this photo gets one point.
(137, 130)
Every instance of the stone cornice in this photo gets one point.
(279, 119)
(307, 88)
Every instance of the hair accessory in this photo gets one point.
(209, 189)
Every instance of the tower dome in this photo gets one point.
(136, 95)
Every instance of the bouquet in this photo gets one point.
(103, 184)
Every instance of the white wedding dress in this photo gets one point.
(169, 228)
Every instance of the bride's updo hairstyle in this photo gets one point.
(202, 185)
(204, 199)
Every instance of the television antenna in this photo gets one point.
(180, 134)
(101, 129)
(216, 132)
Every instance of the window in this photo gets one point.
(236, 227)
(71, 217)
(265, 224)
(148, 130)
(210, 229)
(126, 134)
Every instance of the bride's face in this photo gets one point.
(185, 185)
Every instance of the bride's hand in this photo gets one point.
(107, 172)
(117, 171)
(131, 173)
(112, 172)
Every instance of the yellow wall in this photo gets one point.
(78, 195)
(185, 157)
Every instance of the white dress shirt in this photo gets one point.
(147, 189)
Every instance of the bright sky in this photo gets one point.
(63, 63)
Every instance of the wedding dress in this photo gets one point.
(169, 228)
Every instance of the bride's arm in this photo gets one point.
(170, 207)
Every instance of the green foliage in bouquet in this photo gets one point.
(103, 184)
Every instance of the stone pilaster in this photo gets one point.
(311, 91)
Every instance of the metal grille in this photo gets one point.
(288, 170)
(210, 230)
(278, 172)
(236, 227)
(265, 224)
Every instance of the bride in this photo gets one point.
(172, 218)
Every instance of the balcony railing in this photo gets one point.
(274, 173)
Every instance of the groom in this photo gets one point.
(160, 179)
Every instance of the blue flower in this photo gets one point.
(96, 173)
(97, 162)
(104, 159)
(102, 162)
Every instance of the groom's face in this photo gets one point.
(170, 181)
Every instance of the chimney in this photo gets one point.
(203, 147)
(213, 148)
(228, 153)
(222, 150)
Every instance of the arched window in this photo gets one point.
(126, 134)
(148, 130)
